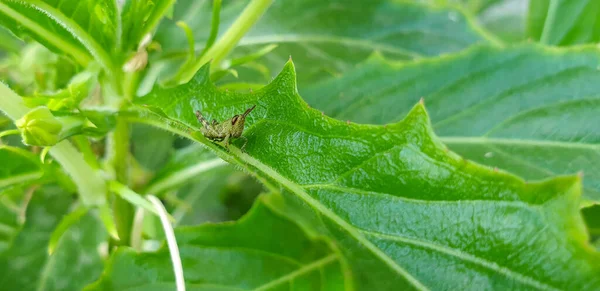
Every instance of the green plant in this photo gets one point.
(408, 145)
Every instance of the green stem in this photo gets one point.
(9, 132)
(157, 14)
(119, 149)
(214, 26)
(91, 187)
(226, 43)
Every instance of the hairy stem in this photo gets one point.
(119, 159)
(226, 43)
(91, 187)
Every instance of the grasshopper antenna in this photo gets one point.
(248, 111)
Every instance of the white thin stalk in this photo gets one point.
(171, 242)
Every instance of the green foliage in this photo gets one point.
(563, 22)
(352, 186)
(237, 255)
(19, 167)
(139, 18)
(78, 28)
(75, 262)
(526, 109)
(351, 189)
(330, 36)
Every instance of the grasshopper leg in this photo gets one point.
(226, 141)
(245, 142)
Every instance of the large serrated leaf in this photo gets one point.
(527, 109)
(79, 28)
(328, 37)
(263, 251)
(407, 213)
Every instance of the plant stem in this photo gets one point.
(214, 26)
(171, 243)
(119, 149)
(226, 43)
(91, 187)
(550, 21)
(119, 158)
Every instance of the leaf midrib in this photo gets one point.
(301, 193)
(357, 233)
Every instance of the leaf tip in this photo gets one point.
(286, 78)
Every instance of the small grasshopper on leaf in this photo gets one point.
(231, 128)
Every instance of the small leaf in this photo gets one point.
(397, 203)
(132, 197)
(234, 256)
(12, 204)
(67, 98)
(526, 109)
(186, 164)
(66, 222)
(19, 167)
(40, 127)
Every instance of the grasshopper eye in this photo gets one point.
(235, 119)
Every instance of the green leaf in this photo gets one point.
(526, 109)
(67, 98)
(506, 19)
(151, 147)
(185, 165)
(132, 197)
(79, 28)
(76, 261)
(592, 219)
(8, 42)
(396, 201)
(22, 264)
(19, 167)
(66, 222)
(329, 37)
(36, 69)
(207, 190)
(563, 22)
(233, 256)
(11, 215)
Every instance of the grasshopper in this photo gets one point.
(231, 128)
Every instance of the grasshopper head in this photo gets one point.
(237, 122)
